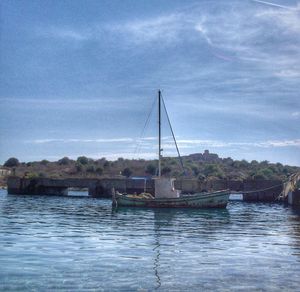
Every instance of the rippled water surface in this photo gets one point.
(75, 243)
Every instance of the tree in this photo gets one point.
(64, 161)
(195, 169)
(173, 161)
(44, 162)
(254, 162)
(90, 168)
(12, 162)
(127, 172)
(79, 167)
(83, 160)
(42, 175)
(99, 170)
(244, 163)
(166, 170)
(264, 173)
(151, 169)
(201, 177)
(106, 164)
(213, 170)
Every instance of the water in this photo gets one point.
(77, 243)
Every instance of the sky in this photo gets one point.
(80, 78)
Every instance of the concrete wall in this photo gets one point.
(103, 187)
(96, 187)
(266, 191)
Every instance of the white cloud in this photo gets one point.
(288, 73)
(289, 19)
(262, 34)
(164, 27)
(108, 140)
(71, 34)
(168, 143)
(192, 143)
(129, 155)
(66, 33)
(272, 4)
(282, 143)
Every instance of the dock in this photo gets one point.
(252, 190)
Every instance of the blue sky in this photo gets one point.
(79, 78)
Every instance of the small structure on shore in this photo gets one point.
(5, 171)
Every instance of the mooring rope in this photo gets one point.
(262, 190)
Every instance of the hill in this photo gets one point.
(203, 166)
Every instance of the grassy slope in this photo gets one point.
(199, 166)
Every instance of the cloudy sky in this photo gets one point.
(80, 78)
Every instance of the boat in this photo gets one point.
(165, 194)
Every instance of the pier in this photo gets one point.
(252, 190)
(96, 187)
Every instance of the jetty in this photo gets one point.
(252, 190)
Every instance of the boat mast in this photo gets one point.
(159, 133)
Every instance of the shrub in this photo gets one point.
(32, 175)
(44, 162)
(259, 176)
(151, 169)
(83, 160)
(90, 168)
(195, 170)
(265, 173)
(12, 162)
(175, 173)
(106, 164)
(127, 172)
(244, 163)
(213, 170)
(79, 167)
(64, 161)
(166, 170)
(99, 170)
(201, 177)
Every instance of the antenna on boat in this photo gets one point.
(159, 133)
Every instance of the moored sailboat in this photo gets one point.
(166, 196)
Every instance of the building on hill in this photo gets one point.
(205, 156)
(210, 157)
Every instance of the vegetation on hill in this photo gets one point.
(204, 166)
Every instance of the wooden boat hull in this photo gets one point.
(200, 200)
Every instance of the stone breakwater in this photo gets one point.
(252, 190)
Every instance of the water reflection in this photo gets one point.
(156, 250)
(53, 243)
(173, 230)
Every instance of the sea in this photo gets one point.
(77, 243)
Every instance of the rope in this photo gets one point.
(291, 180)
(262, 190)
(144, 128)
(180, 159)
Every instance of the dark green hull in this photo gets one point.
(201, 200)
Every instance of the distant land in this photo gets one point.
(202, 166)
